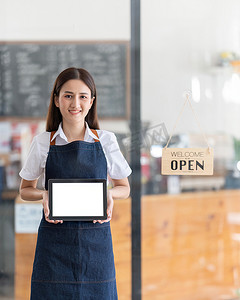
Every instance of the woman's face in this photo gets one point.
(74, 101)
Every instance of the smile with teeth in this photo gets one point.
(74, 112)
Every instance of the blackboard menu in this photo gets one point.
(28, 72)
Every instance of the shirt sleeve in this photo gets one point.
(32, 168)
(117, 165)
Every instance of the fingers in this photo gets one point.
(109, 214)
(109, 209)
(52, 221)
(97, 221)
(46, 211)
(45, 208)
(109, 217)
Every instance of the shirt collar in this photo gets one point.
(88, 133)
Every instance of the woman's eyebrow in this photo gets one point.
(68, 92)
(73, 93)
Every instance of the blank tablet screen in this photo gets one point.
(77, 199)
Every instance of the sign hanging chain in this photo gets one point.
(196, 119)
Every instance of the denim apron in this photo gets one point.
(74, 260)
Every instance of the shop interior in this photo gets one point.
(190, 238)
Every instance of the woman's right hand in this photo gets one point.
(46, 209)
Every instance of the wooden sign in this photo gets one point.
(187, 161)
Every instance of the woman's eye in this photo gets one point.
(83, 97)
(68, 96)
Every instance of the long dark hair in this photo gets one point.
(54, 116)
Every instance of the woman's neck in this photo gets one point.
(74, 132)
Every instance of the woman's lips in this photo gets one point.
(74, 112)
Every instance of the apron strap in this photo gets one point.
(52, 142)
(53, 132)
(95, 132)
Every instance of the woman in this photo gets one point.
(74, 260)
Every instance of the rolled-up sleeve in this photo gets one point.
(32, 168)
(117, 165)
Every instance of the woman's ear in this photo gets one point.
(56, 100)
(91, 102)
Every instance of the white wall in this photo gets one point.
(64, 20)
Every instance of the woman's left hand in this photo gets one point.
(109, 208)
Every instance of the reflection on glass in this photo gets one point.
(190, 224)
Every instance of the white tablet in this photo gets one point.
(77, 199)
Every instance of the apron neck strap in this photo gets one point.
(52, 142)
(95, 132)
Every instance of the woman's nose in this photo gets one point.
(75, 101)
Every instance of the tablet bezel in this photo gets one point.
(77, 218)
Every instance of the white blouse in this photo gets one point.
(34, 166)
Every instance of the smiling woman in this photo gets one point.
(62, 85)
(78, 255)
(74, 102)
